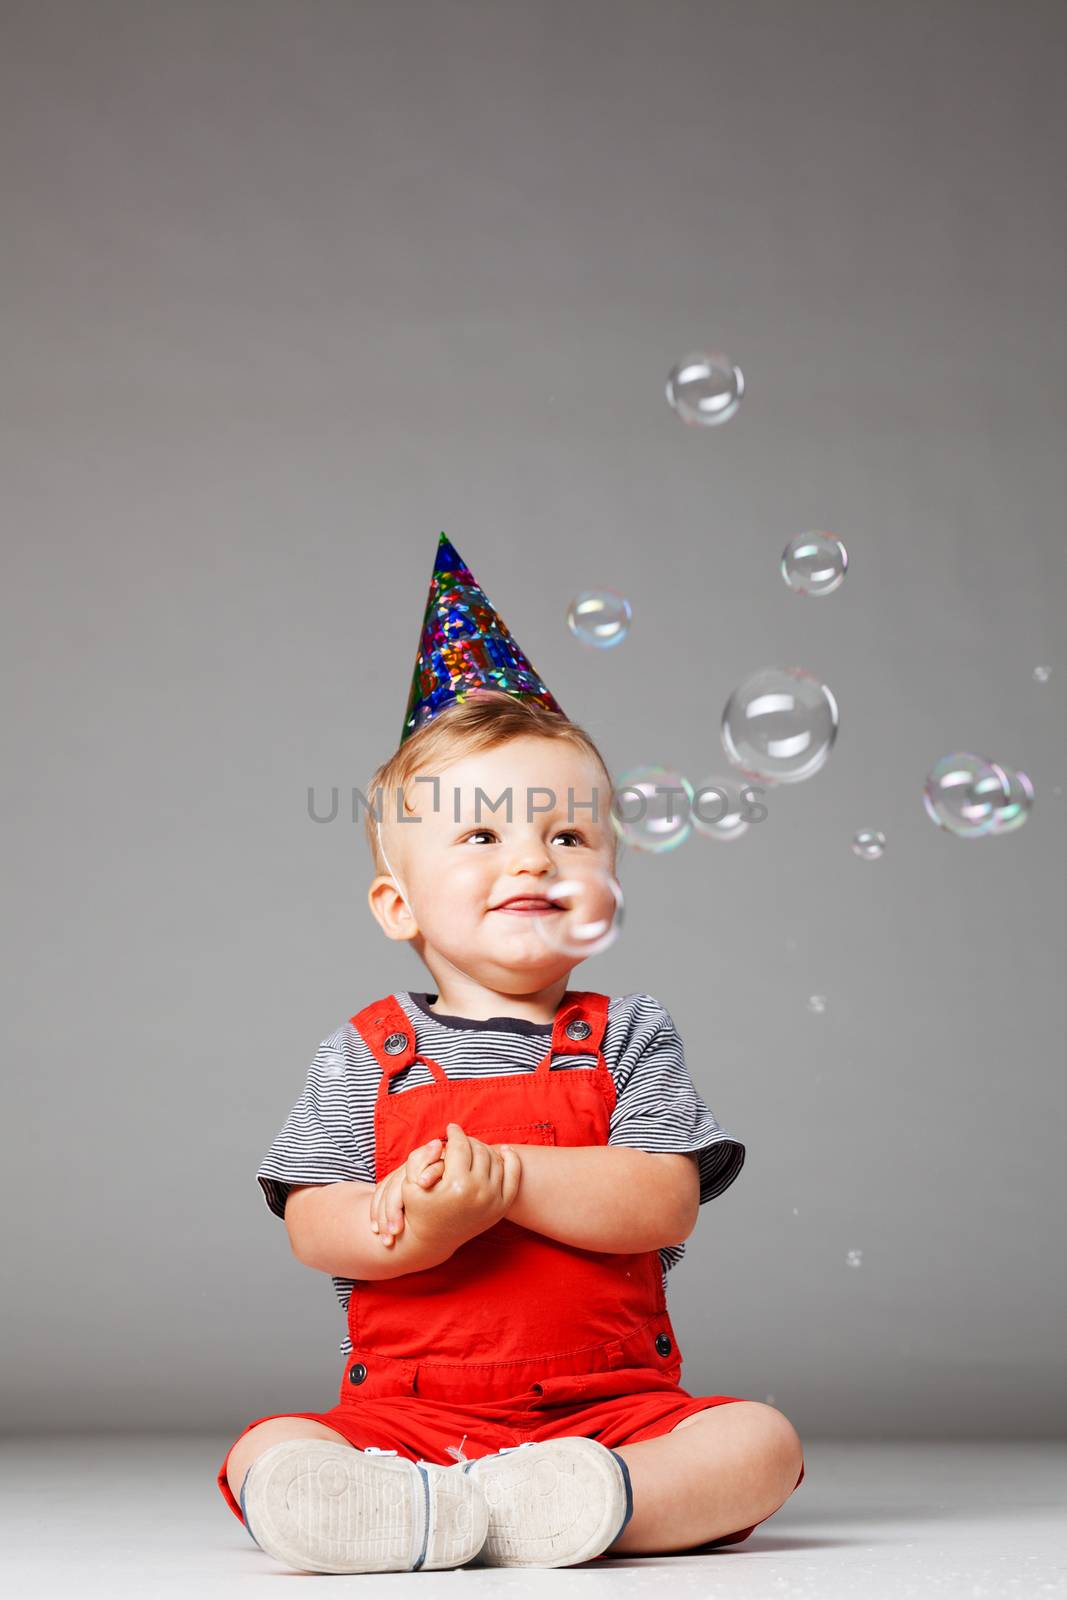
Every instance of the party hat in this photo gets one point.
(465, 646)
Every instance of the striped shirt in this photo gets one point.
(328, 1136)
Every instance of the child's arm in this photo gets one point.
(598, 1197)
(607, 1197)
(329, 1228)
(332, 1232)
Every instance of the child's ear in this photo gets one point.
(389, 910)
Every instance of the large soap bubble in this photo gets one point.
(651, 808)
(599, 617)
(971, 797)
(592, 912)
(780, 725)
(705, 389)
(814, 564)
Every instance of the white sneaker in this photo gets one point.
(551, 1504)
(323, 1507)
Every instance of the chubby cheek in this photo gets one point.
(456, 903)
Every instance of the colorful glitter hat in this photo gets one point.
(465, 646)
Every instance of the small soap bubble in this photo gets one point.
(333, 1066)
(964, 794)
(817, 1004)
(705, 390)
(770, 1400)
(869, 844)
(1042, 674)
(722, 807)
(779, 726)
(599, 618)
(814, 564)
(651, 808)
(590, 917)
(796, 1213)
(855, 1258)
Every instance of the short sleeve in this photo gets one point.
(658, 1107)
(319, 1142)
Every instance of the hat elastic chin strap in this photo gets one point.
(407, 902)
(392, 874)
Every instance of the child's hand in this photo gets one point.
(477, 1188)
(422, 1167)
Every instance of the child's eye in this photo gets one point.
(488, 833)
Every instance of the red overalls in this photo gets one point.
(516, 1336)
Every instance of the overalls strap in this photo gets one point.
(388, 1033)
(578, 1030)
(579, 1026)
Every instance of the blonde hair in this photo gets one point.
(485, 719)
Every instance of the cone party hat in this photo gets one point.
(465, 646)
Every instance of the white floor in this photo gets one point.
(114, 1516)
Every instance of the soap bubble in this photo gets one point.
(817, 1004)
(1018, 799)
(1042, 674)
(855, 1258)
(592, 914)
(599, 617)
(780, 725)
(814, 564)
(964, 794)
(723, 807)
(705, 389)
(646, 815)
(869, 844)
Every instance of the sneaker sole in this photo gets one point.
(552, 1504)
(322, 1507)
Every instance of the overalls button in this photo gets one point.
(396, 1042)
(357, 1373)
(663, 1344)
(577, 1029)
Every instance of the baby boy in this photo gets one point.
(498, 1174)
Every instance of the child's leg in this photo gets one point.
(273, 1431)
(718, 1471)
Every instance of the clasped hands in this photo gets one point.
(447, 1192)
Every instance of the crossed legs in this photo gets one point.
(717, 1471)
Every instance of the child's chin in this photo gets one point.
(525, 954)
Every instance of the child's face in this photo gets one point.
(457, 873)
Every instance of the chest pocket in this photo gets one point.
(512, 1132)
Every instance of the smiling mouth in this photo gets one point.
(531, 907)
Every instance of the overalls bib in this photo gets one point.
(511, 1312)
(516, 1337)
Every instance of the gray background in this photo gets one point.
(287, 289)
